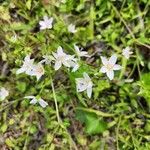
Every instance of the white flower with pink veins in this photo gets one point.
(61, 58)
(27, 66)
(84, 84)
(109, 66)
(46, 23)
(80, 53)
(35, 100)
(127, 52)
(37, 70)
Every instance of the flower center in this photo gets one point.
(39, 70)
(61, 58)
(109, 66)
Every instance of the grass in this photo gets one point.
(116, 116)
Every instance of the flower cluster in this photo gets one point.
(30, 68)
(60, 58)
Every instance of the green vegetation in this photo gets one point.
(117, 114)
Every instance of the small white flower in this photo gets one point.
(37, 70)
(3, 93)
(47, 59)
(71, 28)
(35, 100)
(109, 66)
(27, 66)
(73, 62)
(46, 23)
(80, 53)
(61, 58)
(84, 83)
(126, 52)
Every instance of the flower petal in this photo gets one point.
(89, 92)
(103, 69)
(29, 97)
(104, 60)
(86, 76)
(117, 67)
(60, 50)
(43, 103)
(21, 70)
(33, 101)
(110, 74)
(58, 64)
(113, 59)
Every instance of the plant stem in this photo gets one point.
(124, 64)
(55, 99)
(97, 112)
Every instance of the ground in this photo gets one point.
(116, 116)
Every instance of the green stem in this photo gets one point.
(117, 132)
(124, 64)
(97, 112)
(55, 99)
(91, 25)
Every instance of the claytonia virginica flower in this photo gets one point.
(27, 66)
(84, 83)
(46, 23)
(71, 28)
(61, 58)
(3, 93)
(80, 53)
(30, 68)
(126, 52)
(74, 64)
(37, 70)
(35, 100)
(109, 66)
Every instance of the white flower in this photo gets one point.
(47, 59)
(109, 66)
(3, 93)
(35, 100)
(37, 70)
(73, 64)
(71, 28)
(61, 58)
(27, 66)
(84, 83)
(46, 23)
(80, 53)
(126, 52)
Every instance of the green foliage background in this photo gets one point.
(117, 115)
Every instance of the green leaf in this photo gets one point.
(4, 128)
(94, 125)
(21, 86)
(28, 4)
(9, 143)
(145, 87)
(101, 85)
